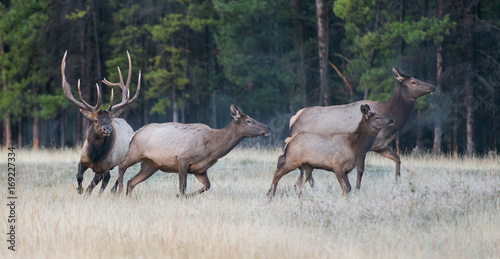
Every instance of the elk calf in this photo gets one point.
(339, 153)
(107, 139)
(185, 148)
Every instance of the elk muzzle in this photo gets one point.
(266, 132)
(106, 131)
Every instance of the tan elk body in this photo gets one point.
(344, 118)
(185, 148)
(107, 138)
(339, 153)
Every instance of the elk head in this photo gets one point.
(412, 88)
(248, 126)
(375, 121)
(101, 119)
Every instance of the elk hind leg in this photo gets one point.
(280, 172)
(388, 153)
(203, 178)
(305, 175)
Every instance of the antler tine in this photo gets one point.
(67, 88)
(129, 77)
(110, 101)
(138, 88)
(124, 87)
(90, 107)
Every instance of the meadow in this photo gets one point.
(441, 208)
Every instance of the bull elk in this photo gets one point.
(339, 152)
(107, 140)
(343, 118)
(185, 149)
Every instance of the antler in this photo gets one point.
(67, 90)
(124, 87)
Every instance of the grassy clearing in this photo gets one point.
(441, 207)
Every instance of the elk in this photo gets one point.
(339, 152)
(107, 139)
(185, 149)
(342, 118)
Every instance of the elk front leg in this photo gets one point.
(147, 170)
(122, 167)
(79, 177)
(105, 181)
(388, 153)
(203, 178)
(360, 168)
(343, 181)
(97, 178)
(183, 172)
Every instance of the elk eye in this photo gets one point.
(378, 118)
(413, 83)
(249, 121)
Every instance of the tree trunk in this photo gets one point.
(418, 147)
(63, 130)
(97, 51)
(299, 48)
(322, 16)
(455, 131)
(35, 133)
(470, 73)
(401, 20)
(7, 132)
(439, 71)
(19, 133)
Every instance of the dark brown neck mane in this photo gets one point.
(99, 146)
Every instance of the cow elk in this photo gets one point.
(344, 118)
(107, 140)
(185, 149)
(339, 153)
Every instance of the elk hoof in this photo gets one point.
(79, 190)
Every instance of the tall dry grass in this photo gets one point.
(441, 207)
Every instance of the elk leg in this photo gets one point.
(97, 178)
(360, 168)
(305, 175)
(122, 167)
(183, 172)
(105, 181)
(79, 177)
(203, 178)
(343, 181)
(280, 172)
(119, 180)
(310, 180)
(147, 170)
(388, 153)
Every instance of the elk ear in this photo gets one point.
(398, 74)
(236, 112)
(365, 109)
(87, 114)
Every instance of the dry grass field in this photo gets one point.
(441, 208)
